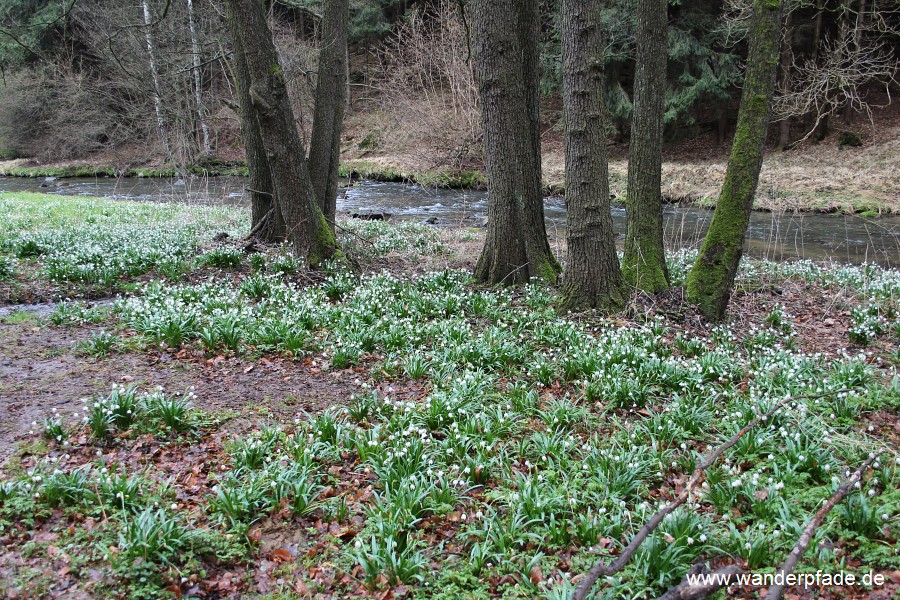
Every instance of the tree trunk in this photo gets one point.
(328, 118)
(198, 81)
(711, 279)
(592, 278)
(507, 69)
(644, 262)
(310, 234)
(722, 125)
(787, 64)
(266, 218)
(154, 76)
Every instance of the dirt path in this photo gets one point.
(40, 369)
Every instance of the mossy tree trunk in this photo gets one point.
(507, 68)
(310, 234)
(644, 261)
(330, 101)
(266, 220)
(592, 278)
(711, 279)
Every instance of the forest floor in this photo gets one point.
(224, 424)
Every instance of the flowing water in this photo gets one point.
(775, 236)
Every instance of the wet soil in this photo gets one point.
(42, 369)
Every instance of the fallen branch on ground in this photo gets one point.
(716, 581)
(806, 537)
(602, 569)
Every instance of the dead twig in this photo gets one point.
(806, 537)
(259, 225)
(602, 569)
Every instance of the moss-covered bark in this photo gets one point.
(711, 279)
(310, 235)
(644, 261)
(592, 278)
(507, 67)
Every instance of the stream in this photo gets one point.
(844, 238)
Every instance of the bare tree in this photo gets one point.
(834, 81)
(787, 60)
(426, 84)
(833, 77)
(198, 79)
(154, 73)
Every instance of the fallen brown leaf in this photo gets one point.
(281, 555)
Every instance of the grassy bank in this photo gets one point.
(401, 432)
(21, 168)
(354, 169)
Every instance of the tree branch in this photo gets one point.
(714, 582)
(602, 569)
(806, 537)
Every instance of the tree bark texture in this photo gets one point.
(711, 279)
(330, 102)
(310, 235)
(644, 262)
(507, 68)
(592, 278)
(263, 205)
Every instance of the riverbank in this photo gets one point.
(232, 424)
(812, 178)
(825, 177)
(24, 168)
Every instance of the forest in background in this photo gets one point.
(152, 82)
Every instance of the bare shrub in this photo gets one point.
(52, 114)
(837, 81)
(428, 88)
(835, 77)
(299, 60)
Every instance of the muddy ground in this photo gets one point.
(42, 369)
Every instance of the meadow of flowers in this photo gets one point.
(485, 445)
